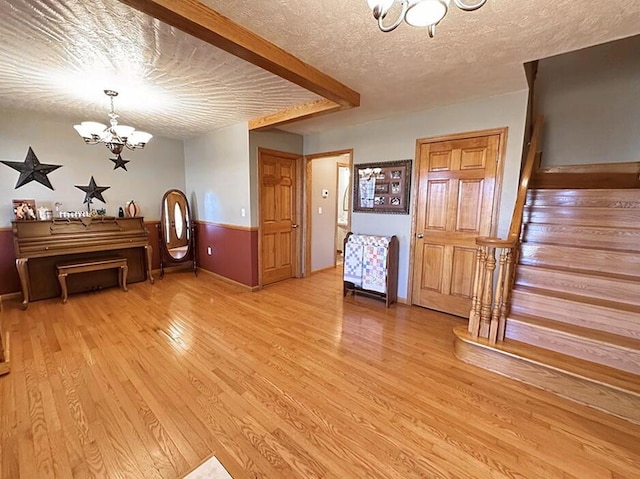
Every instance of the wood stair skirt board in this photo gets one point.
(600, 387)
(591, 345)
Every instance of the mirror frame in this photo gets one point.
(165, 256)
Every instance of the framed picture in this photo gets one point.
(382, 187)
(24, 210)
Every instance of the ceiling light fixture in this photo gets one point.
(115, 137)
(419, 13)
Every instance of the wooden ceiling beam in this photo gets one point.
(298, 112)
(206, 24)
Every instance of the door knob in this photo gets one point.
(294, 226)
(420, 236)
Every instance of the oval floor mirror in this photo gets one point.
(176, 232)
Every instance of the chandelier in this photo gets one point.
(115, 137)
(419, 13)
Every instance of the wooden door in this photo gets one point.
(278, 216)
(457, 195)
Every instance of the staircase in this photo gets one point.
(574, 321)
(577, 288)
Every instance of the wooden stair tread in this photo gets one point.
(593, 284)
(537, 303)
(619, 218)
(587, 273)
(571, 257)
(577, 367)
(578, 331)
(596, 237)
(585, 209)
(615, 305)
(627, 167)
(568, 197)
(603, 176)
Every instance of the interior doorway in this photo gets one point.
(458, 193)
(325, 207)
(343, 209)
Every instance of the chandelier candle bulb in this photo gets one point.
(90, 131)
(423, 14)
(116, 136)
(123, 131)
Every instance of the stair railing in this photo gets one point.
(491, 300)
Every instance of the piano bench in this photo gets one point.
(65, 269)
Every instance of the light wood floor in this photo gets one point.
(291, 381)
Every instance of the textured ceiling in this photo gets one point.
(473, 55)
(58, 56)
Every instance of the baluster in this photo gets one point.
(498, 300)
(482, 255)
(487, 294)
(506, 303)
(474, 315)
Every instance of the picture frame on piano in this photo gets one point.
(25, 210)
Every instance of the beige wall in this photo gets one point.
(591, 103)
(152, 171)
(217, 175)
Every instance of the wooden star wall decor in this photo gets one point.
(119, 162)
(93, 191)
(32, 170)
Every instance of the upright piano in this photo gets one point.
(41, 245)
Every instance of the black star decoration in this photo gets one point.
(93, 191)
(32, 170)
(120, 163)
